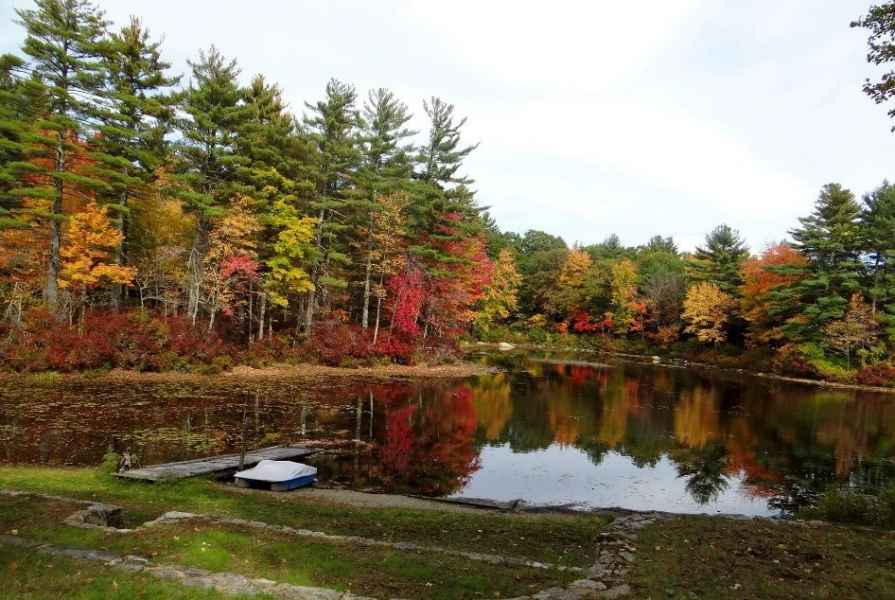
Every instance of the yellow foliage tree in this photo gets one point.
(500, 298)
(706, 311)
(90, 244)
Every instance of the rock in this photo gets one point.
(588, 584)
(619, 591)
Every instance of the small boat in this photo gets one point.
(280, 475)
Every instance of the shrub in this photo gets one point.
(791, 360)
(879, 375)
(859, 508)
(335, 341)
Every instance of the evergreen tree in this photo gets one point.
(442, 155)
(878, 239)
(22, 100)
(278, 174)
(64, 44)
(385, 169)
(141, 108)
(830, 238)
(209, 163)
(719, 260)
(333, 128)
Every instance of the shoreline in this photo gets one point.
(683, 363)
(302, 371)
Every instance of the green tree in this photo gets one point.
(138, 114)
(333, 126)
(720, 259)
(209, 164)
(878, 239)
(830, 238)
(64, 45)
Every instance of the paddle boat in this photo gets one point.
(280, 475)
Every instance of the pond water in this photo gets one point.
(547, 431)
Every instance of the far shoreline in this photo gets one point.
(241, 373)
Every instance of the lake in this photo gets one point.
(547, 430)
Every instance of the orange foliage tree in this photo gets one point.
(777, 266)
(91, 242)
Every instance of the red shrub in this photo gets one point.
(335, 341)
(880, 375)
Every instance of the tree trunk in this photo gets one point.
(261, 317)
(51, 292)
(251, 313)
(365, 315)
(196, 266)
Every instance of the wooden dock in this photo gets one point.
(216, 465)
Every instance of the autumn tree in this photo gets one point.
(64, 47)
(500, 296)
(856, 330)
(778, 266)
(384, 172)
(623, 295)
(707, 311)
(568, 293)
(88, 257)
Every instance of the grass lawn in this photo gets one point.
(28, 575)
(701, 557)
(559, 539)
(374, 571)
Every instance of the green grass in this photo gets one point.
(376, 571)
(560, 539)
(701, 557)
(27, 575)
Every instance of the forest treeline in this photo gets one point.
(151, 220)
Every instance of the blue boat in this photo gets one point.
(279, 475)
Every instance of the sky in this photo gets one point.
(593, 118)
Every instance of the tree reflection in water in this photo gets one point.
(774, 442)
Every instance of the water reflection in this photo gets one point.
(628, 435)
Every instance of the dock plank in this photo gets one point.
(212, 465)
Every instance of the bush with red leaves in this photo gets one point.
(109, 340)
(879, 375)
(334, 342)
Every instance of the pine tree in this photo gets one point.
(719, 260)
(878, 239)
(385, 170)
(830, 238)
(22, 100)
(209, 163)
(64, 44)
(333, 127)
(139, 115)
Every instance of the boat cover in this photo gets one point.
(277, 471)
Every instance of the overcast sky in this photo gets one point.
(594, 118)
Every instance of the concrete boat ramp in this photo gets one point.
(216, 465)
